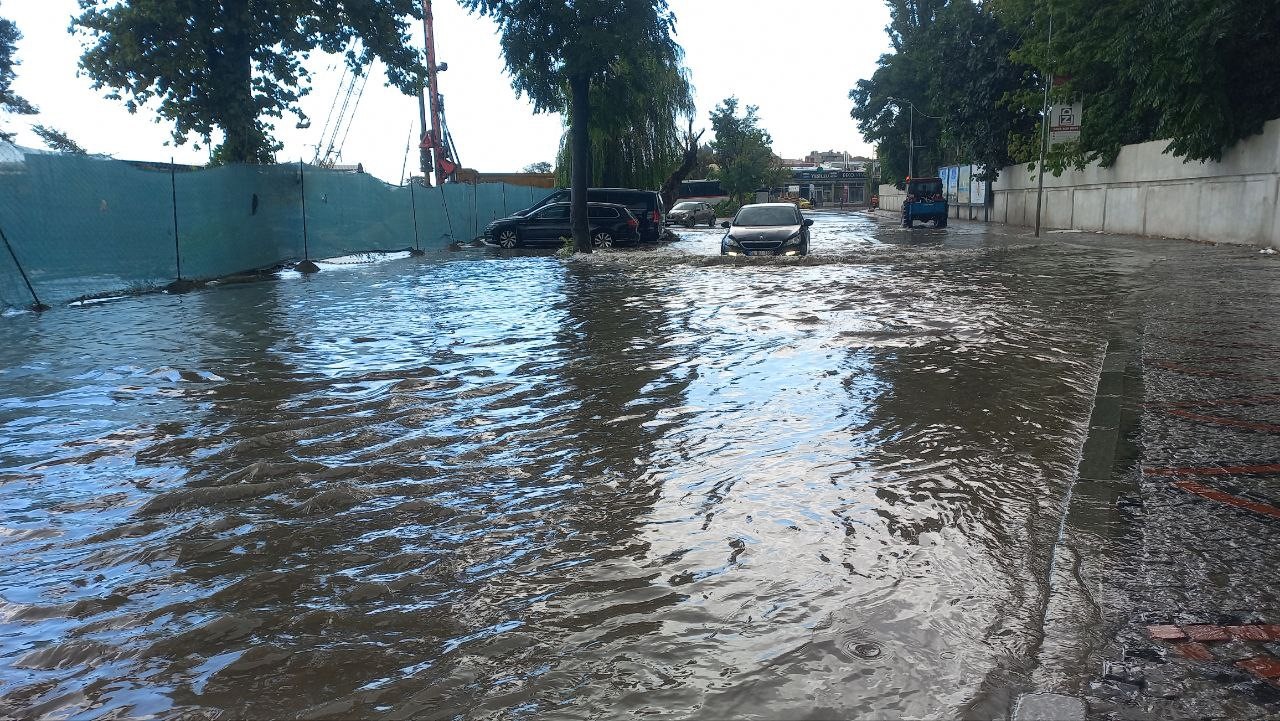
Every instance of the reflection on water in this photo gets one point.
(500, 485)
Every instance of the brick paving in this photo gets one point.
(1201, 636)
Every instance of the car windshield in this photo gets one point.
(685, 206)
(767, 215)
(926, 187)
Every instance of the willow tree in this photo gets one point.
(556, 52)
(228, 65)
(634, 127)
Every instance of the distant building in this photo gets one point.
(832, 177)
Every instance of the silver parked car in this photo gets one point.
(690, 213)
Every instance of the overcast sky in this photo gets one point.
(796, 60)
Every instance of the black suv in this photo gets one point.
(610, 223)
(645, 205)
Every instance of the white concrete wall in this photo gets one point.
(1148, 192)
(891, 198)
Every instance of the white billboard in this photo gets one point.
(977, 188)
(1064, 122)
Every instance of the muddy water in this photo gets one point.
(490, 484)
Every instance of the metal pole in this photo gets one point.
(177, 247)
(413, 207)
(1044, 119)
(444, 201)
(302, 181)
(911, 141)
(306, 266)
(37, 305)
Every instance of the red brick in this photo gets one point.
(1166, 633)
(1194, 651)
(1249, 633)
(1206, 633)
(1262, 666)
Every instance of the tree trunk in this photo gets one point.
(231, 64)
(671, 188)
(579, 150)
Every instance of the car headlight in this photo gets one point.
(793, 240)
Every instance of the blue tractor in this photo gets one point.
(925, 201)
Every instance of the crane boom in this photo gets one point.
(435, 144)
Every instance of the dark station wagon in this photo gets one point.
(645, 205)
(548, 224)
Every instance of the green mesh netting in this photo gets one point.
(83, 226)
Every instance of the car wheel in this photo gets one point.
(940, 223)
(687, 221)
(711, 222)
(508, 238)
(602, 239)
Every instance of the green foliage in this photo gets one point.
(227, 65)
(1195, 72)
(546, 43)
(1198, 73)
(727, 208)
(634, 124)
(541, 166)
(9, 101)
(566, 248)
(743, 151)
(952, 62)
(57, 140)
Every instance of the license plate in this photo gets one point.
(759, 252)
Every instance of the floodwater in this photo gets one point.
(488, 484)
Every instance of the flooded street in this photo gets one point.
(488, 484)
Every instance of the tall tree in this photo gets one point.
(10, 102)
(743, 150)
(634, 124)
(555, 51)
(226, 65)
(978, 88)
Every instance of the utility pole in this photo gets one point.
(1044, 118)
(911, 141)
(911, 132)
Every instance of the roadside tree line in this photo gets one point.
(1195, 73)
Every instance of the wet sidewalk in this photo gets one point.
(1204, 637)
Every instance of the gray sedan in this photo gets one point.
(690, 213)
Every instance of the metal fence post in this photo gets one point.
(306, 266)
(413, 208)
(37, 306)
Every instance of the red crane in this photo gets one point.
(436, 148)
